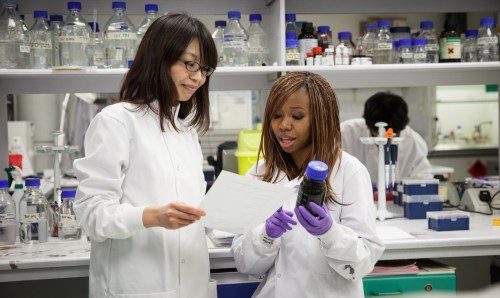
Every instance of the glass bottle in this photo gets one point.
(405, 51)
(14, 42)
(34, 214)
(16, 196)
(307, 41)
(7, 215)
(95, 48)
(469, 49)
(56, 23)
(151, 11)
(68, 228)
(41, 41)
(324, 40)
(487, 41)
(369, 38)
(292, 52)
(290, 25)
(419, 50)
(120, 37)
(74, 37)
(449, 44)
(383, 43)
(359, 57)
(218, 37)
(258, 51)
(432, 44)
(345, 49)
(235, 45)
(313, 186)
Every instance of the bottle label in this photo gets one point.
(41, 45)
(30, 217)
(487, 40)
(450, 48)
(431, 47)
(67, 218)
(384, 46)
(24, 49)
(121, 35)
(74, 39)
(406, 55)
(420, 55)
(292, 56)
(6, 216)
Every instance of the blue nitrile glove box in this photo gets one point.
(421, 186)
(448, 220)
(416, 207)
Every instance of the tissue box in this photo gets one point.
(420, 186)
(416, 207)
(448, 220)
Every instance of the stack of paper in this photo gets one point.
(395, 267)
(221, 238)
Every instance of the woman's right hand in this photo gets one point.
(171, 216)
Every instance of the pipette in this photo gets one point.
(387, 158)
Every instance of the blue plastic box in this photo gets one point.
(399, 189)
(420, 186)
(448, 220)
(416, 207)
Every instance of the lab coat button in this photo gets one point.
(279, 275)
(183, 261)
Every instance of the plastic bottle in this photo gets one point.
(307, 41)
(14, 42)
(449, 44)
(292, 52)
(218, 37)
(487, 41)
(34, 214)
(310, 58)
(17, 195)
(68, 228)
(432, 44)
(56, 23)
(151, 11)
(369, 38)
(7, 215)
(324, 40)
(383, 43)
(74, 37)
(120, 38)
(41, 41)
(419, 50)
(469, 50)
(329, 57)
(258, 51)
(345, 49)
(290, 25)
(95, 48)
(318, 55)
(235, 45)
(405, 51)
(313, 186)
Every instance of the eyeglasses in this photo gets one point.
(195, 66)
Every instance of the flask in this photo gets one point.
(34, 214)
(292, 52)
(487, 41)
(469, 52)
(7, 215)
(369, 38)
(68, 228)
(56, 23)
(218, 37)
(405, 51)
(313, 186)
(307, 41)
(95, 48)
(14, 42)
(151, 11)
(16, 196)
(235, 44)
(290, 25)
(120, 38)
(449, 44)
(258, 51)
(324, 40)
(432, 44)
(41, 41)
(419, 50)
(344, 50)
(74, 37)
(383, 43)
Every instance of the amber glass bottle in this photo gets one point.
(449, 44)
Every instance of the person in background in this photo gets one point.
(390, 108)
(142, 172)
(302, 255)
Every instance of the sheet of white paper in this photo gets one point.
(237, 204)
(392, 233)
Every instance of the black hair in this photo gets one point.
(386, 107)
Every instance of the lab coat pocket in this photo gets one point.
(212, 288)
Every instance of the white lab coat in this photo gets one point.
(412, 151)
(131, 164)
(301, 265)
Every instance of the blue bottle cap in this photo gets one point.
(405, 42)
(291, 35)
(426, 25)
(317, 170)
(344, 35)
(255, 17)
(234, 14)
(471, 32)
(74, 5)
(68, 193)
(118, 4)
(40, 14)
(4, 183)
(289, 17)
(323, 29)
(151, 7)
(384, 23)
(371, 26)
(487, 22)
(220, 23)
(32, 182)
(56, 18)
(419, 42)
(292, 43)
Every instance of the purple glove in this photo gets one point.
(279, 223)
(315, 225)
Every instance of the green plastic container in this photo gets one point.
(428, 285)
(248, 147)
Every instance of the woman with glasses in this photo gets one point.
(142, 175)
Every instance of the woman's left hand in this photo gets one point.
(315, 225)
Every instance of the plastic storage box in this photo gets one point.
(398, 194)
(416, 207)
(421, 186)
(448, 220)
(248, 146)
